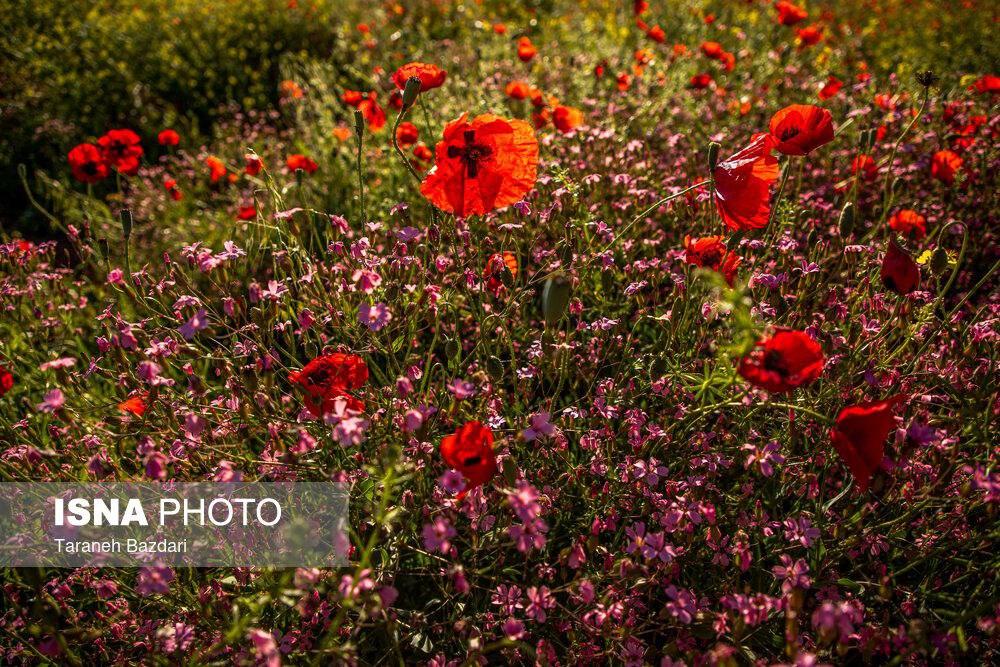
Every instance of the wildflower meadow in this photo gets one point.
(642, 333)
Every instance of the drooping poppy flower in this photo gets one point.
(330, 377)
(800, 129)
(216, 168)
(944, 166)
(6, 380)
(566, 118)
(431, 76)
(170, 185)
(407, 134)
(830, 88)
(743, 184)
(86, 163)
(909, 223)
(482, 165)
(168, 138)
(899, 272)
(809, 35)
(712, 50)
(710, 252)
(517, 90)
(300, 161)
(701, 81)
(859, 436)
(865, 165)
(525, 49)
(247, 212)
(373, 113)
(120, 149)
(987, 84)
(469, 450)
(782, 362)
(498, 266)
(656, 34)
(789, 14)
(136, 405)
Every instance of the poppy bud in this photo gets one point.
(939, 261)
(555, 298)
(713, 155)
(126, 218)
(847, 220)
(899, 272)
(411, 91)
(813, 237)
(359, 122)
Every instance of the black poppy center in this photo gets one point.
(472, 154)
(775, 362)
(790, 132)
(472, 460)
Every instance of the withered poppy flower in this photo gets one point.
(299, 161)
(566, 118)
(830, 88)
(330, 377)
(525, 49)
(431, 76)
(482, 165)
(86, 163)
(899, 272)
(944, 166)
(656, 34)
(6, 381)
(120, 149)
(373, 113)
(799, 129)
(712, 50)
(407, 134)
(498, 266)
(743, 185)
(136, 405)
(809, 35)
(469, 450)
(789, 14)
(710, 252)
(783, 361)
(168, 138)
(701, 81)
(909, 223)
(216, 168)
(517, 90)
(859, 436)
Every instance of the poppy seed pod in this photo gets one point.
(847, 220)
(713, 155)
(555, 298)
(410, 92)
(359, 122)
(927, 78)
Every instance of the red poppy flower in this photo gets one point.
(525, 49)
(859, 436)
(254, 165)
(170, 185)
(422, 152)
(86, 163)
(639, 7)
(216, 168)
(407, 134)
(623, 81)
(909, 223)
(789, 14)
(712, 50)
(352, 97)
(866, 165)
(944, 166)
(728, 61)
(6, 381)
(373, 113)
(247, 212)
(517, 90)
(899, 272)
(710, 252)
(701, 81)
(330, 377)
(500, 28)
(482, 165)
(809, 35)
(168, 138)
(299, 161)
(470, 451)
(988, 84)
(656, 34)
(136, 405)
(783, 361)
(566, 118)
(743, 185)
(497, 267)
(830, 88)
(800, 129)
(431, 76)
(120, 149)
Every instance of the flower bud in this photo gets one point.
(847, 220)
(555, 298)
(939, 261)
(713, 155)
(410, 92)
(126, 218)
